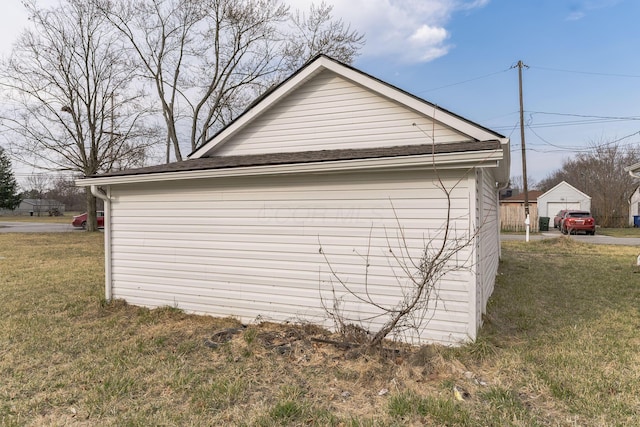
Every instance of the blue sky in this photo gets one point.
(584, 58)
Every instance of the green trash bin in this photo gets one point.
(543, 223)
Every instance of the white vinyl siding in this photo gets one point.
(634, 206)
(250, 247)
(488, 239)
(331, 112)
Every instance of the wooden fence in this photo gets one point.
(512, 217)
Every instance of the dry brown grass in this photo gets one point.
(560, 348)
(44, 217)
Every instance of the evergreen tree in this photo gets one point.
(9, 197)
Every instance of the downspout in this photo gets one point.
(105, 196)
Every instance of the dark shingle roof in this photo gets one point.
(225, 162)
(519, 198)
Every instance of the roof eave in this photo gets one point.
(485, 158)
(633, 170)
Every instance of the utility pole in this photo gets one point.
(520, 65)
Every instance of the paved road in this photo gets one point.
(34, 227)
(597, 239)
(43, 227)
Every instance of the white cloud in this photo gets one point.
(582, 8)
(408, 30)
(576, 16)
(429, 41)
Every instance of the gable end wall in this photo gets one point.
(561, 194)
(330, 112)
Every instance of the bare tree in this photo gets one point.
(516, 183)
(416, 277)
(73, 106)
(63, 189)
(316, 32)
(37, 185)
(208, 59)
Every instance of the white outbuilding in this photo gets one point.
(332, 180)
(562, 196)
(634, 206)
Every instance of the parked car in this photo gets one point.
(558, 218)
(574, 221)
(80, 221)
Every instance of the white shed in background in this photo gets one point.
(334, 165)
(562, 196)
(634, 205)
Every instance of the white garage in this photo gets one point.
(333, 180)
(562, 196)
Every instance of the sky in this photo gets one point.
(581, 86)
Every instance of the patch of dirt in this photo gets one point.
(352, 377)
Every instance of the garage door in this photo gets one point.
(554, 207)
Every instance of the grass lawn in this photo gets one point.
(619, 232)
(560, 347)
(63, 219)
(613, 232)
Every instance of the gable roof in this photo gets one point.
(321, 63)
(519, 198)
(41, 202)
(478, 145)
(564, 184)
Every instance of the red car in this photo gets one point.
(80, 221)
(574, 221)
(558, 218)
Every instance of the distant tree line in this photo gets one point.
(60, 188)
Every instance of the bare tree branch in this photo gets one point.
(207, 60)
(71, 100)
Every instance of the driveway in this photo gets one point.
(597, 239)
(34, 227)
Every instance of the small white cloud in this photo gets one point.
(429, 35)
(583, 7)
(431, 53)
(427, 43)
(474, 4)
(575, 16)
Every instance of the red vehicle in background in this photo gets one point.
(80, 221)
(558, 218)
(574, 221)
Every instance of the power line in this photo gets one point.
(588, 120)
(585, 115)
(581, 148)
(464, 81)
(591, 73)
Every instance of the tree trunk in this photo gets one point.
(92, 222)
